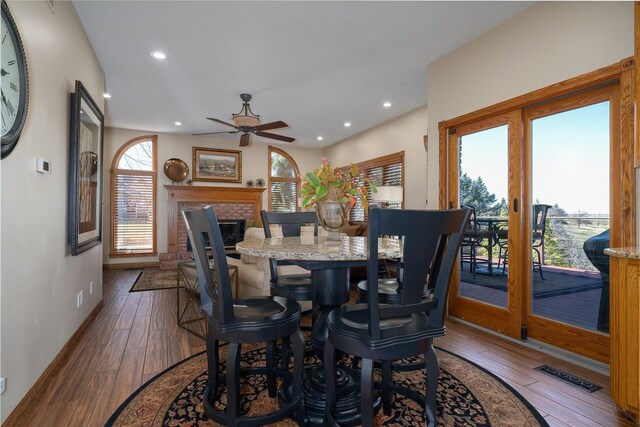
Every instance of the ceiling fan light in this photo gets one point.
(249, 121)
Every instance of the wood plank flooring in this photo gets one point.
(135, 336)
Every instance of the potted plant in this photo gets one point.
(334, 192)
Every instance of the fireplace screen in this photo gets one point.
(232, 231)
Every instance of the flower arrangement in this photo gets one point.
(329, 184)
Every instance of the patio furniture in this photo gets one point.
(371, 331)
(474, 237)
(539, 228)
(239, 321)
(594, 249)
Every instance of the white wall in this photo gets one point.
(254, 165)
(403, 133)
(545, 44)
(40, 279)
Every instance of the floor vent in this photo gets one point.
(582, 384)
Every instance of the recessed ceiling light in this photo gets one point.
(177, 123)
(386, 104)
(347, 124)
(158, 55)
(106, 95)
(320, 138)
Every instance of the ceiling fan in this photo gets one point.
(247, 123)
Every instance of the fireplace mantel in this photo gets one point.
(206, 194)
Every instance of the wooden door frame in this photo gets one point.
(623, 194)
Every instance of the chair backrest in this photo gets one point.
(213, 275)
(431, 240)
(539, 222)
(291, 224)
(472, 224)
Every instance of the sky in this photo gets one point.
(570, 159)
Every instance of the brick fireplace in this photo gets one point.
(228, 203)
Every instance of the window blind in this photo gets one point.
(284, 196)
(386, 170)
(133, 213)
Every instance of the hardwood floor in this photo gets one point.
(135, 336)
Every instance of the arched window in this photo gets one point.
(284, 181)
(133, 198)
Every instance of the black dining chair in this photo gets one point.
(241, 321)
(293, 286)
(380, 332)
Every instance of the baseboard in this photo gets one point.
(130, 265)
(27, 402)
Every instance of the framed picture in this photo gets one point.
(85, 172)
(212, 164)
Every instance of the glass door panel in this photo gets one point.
(484, 158)
(484, 165)
(570, 180)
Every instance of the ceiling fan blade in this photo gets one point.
(214, 133)
(220, 121)
(274, 136)
(273, 125)
(245, 139)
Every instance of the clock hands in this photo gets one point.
(3, 72)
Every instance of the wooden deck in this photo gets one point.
(135, 336)
(577, 307)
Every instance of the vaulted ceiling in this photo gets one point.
(315, 65)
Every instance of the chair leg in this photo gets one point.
(431, 365)
(233, 383)
(386, 389)
(271, 368)
(315, 313)
(472, 263)
(284, 354)
(366, 392)
(330, 378)
(213, 346)
(298, 364)
(539, 263)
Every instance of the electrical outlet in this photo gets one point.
(91, 287)
(2, 385)
(79, 299)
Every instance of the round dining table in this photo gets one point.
(329, 260)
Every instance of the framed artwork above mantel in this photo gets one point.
(217, 165)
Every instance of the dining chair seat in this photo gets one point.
(388, 291)
(293, 286)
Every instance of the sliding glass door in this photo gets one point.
(545, 183)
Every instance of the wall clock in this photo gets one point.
(14, 80)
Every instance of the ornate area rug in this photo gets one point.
(153, 278)
(467, 396)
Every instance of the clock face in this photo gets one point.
(13, 82)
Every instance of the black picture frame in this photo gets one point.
(85, 172)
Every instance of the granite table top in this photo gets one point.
(310, 248)
(632, 252)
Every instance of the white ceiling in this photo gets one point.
(314, 65)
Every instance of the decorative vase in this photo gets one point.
(333, 216)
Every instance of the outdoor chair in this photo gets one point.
(539, 228)
(241, 321)
(473, 238)
(380, 332)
